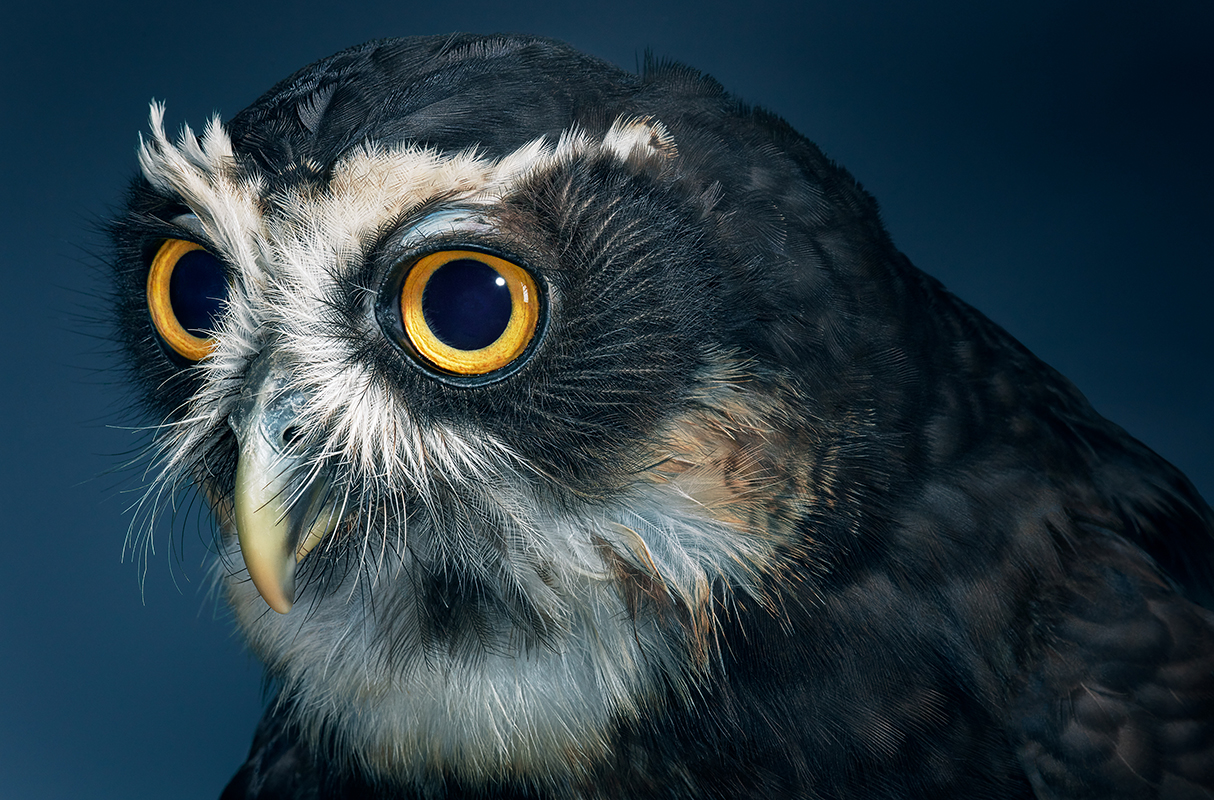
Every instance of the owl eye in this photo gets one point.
(468, 313)
(187, 288)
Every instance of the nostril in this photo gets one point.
(291, 435)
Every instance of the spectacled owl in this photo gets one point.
(571, 433)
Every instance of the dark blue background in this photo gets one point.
(1049, 161)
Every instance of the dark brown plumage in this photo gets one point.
(753, 509)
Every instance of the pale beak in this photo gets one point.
(281, 502)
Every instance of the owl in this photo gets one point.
(570, 433)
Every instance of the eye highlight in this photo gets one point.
(187, 288)
(468, 313)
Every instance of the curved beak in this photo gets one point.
(281, 504)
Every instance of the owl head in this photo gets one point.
(489, 358)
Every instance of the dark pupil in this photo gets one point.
(197, 289)
(467, 304)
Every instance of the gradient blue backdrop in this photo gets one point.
(1049, 161)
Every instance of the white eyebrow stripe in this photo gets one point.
(304, 236)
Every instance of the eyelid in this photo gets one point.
(443, 224)
(190, 223)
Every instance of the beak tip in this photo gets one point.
(280, 604)
(276, 587)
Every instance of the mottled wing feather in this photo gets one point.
(1122, 702)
